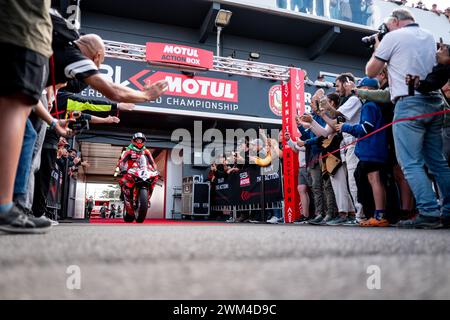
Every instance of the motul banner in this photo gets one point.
(191, 87)
(293, 103)
(175, 54)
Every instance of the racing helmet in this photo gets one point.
(138, 135)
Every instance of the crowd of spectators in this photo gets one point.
(353, 169)
(42, 55)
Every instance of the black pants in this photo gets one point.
(42, 183)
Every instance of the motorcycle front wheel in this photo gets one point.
(127, 218)
(142, 205)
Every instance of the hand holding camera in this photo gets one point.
(374, 40)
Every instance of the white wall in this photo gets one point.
(173, 178)
(156, 210)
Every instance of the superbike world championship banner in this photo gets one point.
(217, 94)
(244, 187)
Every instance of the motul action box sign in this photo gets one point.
(165, 53)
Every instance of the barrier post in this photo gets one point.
(293, 103)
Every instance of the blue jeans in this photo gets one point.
(419, 143)
(282, 4)
(26, 156)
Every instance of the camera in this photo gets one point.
(81, 121)
(369, 41)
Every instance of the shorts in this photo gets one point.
(23, 72)
(366, 167)
(304, 177)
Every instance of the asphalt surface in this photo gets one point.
(224, 261)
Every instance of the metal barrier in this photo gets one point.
(233, 210)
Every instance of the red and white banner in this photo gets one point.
(174, 54)
(293, 103)
(191, 87)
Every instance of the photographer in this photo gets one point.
(407, 49)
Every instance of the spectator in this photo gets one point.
(407, 49)
(112, 212)
(282, 4)
(383, 98)
(259, 154)
(332, 163)
(367, 10)
(335, 9)
(25, 42)
(321, 82)
(435, 9)
(447, 13)
(349, 111)
(372, 154)
(90, 207)
(103, 210)
(355, 6)
(304, 180)
(319, 5)
(346, 11)
(68, 102)
(324, 200)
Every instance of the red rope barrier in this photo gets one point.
(438, 113)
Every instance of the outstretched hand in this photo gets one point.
(155, 90)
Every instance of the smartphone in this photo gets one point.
(441, 43)
(317, 106)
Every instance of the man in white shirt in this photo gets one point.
(408, 49)
(350, 111)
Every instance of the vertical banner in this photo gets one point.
(293, 103)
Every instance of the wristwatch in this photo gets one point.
(53, 124)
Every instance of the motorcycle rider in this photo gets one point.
(131, 155)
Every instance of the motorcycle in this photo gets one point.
(137, 187)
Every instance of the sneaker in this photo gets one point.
(421, 222)
(230, 220)
(372, 222)
(242, 218)
(317, 220)
(302, 220)
(351, 222)
(273, 220)
(53, 222)
(327, 219)
(16, 221)
(339, 220)
(445, 222)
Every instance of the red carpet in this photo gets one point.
(156, 221)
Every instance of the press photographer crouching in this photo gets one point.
(408, 49)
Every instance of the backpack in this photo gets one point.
(63, 32)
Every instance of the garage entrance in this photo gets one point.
(99, 181)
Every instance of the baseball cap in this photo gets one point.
(368, 82)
